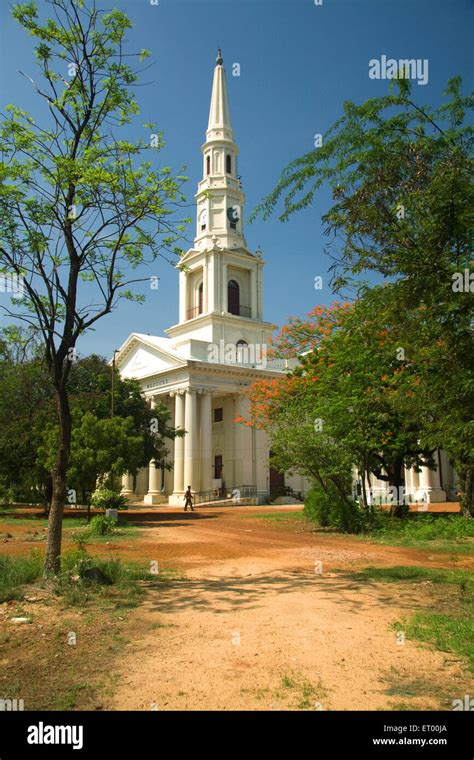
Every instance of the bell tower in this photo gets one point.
(219, 198)
(220, 279)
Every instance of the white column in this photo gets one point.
(259, 291)
(205, 286)
(127, 484)
(211, 282)
(437, 494)
(224, 304)
(425, 479)
(183, 298)
(178, 444)
(191, 473)
(243, 449)
(206, 442)
(154, 495)
(253, 293)
(435, 477)
(409, 487)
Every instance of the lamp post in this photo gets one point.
(112, 407)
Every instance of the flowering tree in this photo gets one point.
(341, 406)
(401, 179)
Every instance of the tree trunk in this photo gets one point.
(52, 562)
(467, 506)
(397, 480)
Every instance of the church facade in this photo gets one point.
(218, 349)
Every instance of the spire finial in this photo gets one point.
(219, 59)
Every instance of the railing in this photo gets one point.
(234, 495)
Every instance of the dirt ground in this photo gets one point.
(264, 621)
(265, 616)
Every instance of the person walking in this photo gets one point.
(188, 500)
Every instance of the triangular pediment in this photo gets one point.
(144, 355)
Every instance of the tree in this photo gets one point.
(79, 210)
(400, 175)
(26, 389)
(99, 445)
(340, 407)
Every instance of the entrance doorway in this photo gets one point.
(277, 483)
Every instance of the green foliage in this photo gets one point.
(75, 582)
(462, 578)
(106, 498)
(99, 444)
(102, 526)
(449, 625)
(6, 496)
(447, 632)
(81, 207)
(401, 179)
(16, 572)
(83, 577)
(424, 527)
(327, 509)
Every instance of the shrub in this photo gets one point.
(6, 496)
(329, 509)
(102, 526)
(106, 498)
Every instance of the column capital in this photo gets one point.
(177, 392)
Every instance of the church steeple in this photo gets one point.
(220, 279)
(219, 116)
(219, 198)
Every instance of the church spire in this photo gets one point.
(219, 197)
(219, 116)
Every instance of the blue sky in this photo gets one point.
(299, 63)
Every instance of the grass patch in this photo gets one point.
(307, 695)
(17, 572)
(450, 533)
(40, 522)
(448, 625)
(279, 518)
(463, 578)
(82, 577)
(447, 632)
(122, 529)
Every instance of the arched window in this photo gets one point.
(208, 164)
(228, 164)
(242, 351)
(233, 297)
(200, 292)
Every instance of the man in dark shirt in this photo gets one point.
(188, 500)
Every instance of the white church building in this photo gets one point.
(218, 349)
